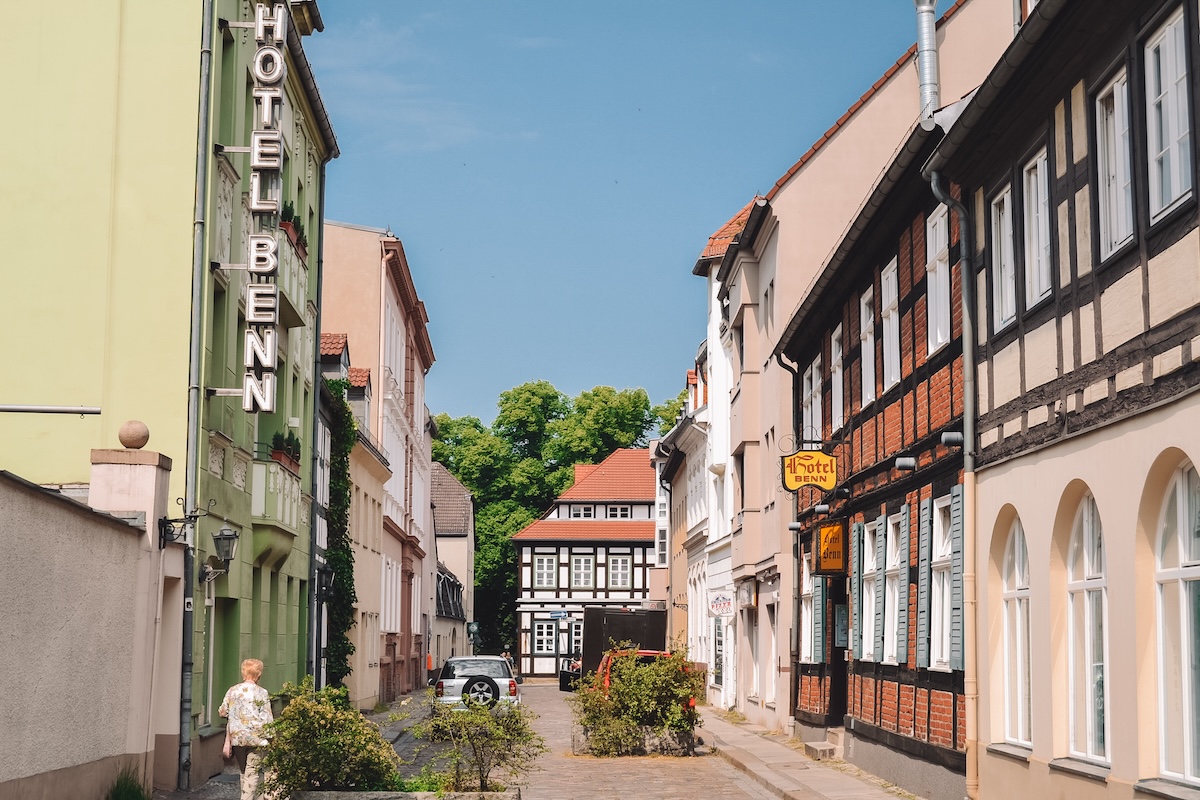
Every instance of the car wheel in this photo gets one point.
(481, 690)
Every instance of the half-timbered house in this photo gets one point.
(1078, 160)
(877, 350)
(595, 546)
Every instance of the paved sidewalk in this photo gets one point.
(775, 762)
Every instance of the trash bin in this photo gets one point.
(566, 680)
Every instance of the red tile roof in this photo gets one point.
(333, 344)
(359, 376)
(583, 470)
(624, 475)
(610, 530)
(875, 87)
(719, 242)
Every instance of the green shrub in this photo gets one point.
(643, 701)
(128, 786)
(321, 742)
(483, 740)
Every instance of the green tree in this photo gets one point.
(667, 414)
(516, 467)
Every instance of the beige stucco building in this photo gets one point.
(92, 609)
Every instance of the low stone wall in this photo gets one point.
(511, 794)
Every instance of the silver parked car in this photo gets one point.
(481, 679)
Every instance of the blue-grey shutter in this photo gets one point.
(856, 534)
(956, 578)
(880, 565)
(819, 619)
(902, 622)
(924, 548)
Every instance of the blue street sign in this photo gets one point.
(560, 614)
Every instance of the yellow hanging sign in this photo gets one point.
(809, 468)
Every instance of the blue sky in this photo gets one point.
(555, 168)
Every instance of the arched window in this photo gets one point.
(1016, 638)
(1178, 577)
(1088, 606)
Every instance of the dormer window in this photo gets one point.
(618, 512)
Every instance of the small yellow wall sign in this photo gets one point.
(809, 468)
(830, 547)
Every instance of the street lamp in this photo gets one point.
(325, 578)
(225, 543)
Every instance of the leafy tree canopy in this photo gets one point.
(668, 413)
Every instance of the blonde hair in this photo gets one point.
(251, 669)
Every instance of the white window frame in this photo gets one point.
(813, 427)
(583, 577)
(866, 335)
(544, 578)
(1177, 575)
(1004, 271)
(660, 548)
(890, 294)
(618, 512)
(575, 635)
(893, 584)
(837, 397)
(1087, 605)
(937, 279)
(1018, 703)
(544, 634)
(582, 512)
(1114, 165)
(1035, 187)
(625, 572)
(866, 614)
(806, 612)
(1168, 134)
(941, 566)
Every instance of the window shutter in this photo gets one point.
(819, 620)
(956, 578)
(856, 534)
(925, 548)
(902, 622)
(880, 565)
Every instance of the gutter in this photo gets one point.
(1002, 74)
(762, 207)
(191, 471)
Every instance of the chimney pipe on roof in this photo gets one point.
(927, 57)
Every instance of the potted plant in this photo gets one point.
(290, 223)
(282, 451)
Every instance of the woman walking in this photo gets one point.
(248, 707)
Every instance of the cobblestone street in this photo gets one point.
(563, 775)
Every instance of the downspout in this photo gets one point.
(319, 381)
(927, 57)
(199, 269)
(970, 667)
(793, 633)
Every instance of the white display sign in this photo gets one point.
(266, 160)
(720, 604)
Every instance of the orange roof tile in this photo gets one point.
(359, 376)
(583, 470)
(875, 87)
(333, 344)
(719, 242)
(611, 530)
(624, 475)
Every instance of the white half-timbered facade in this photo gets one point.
(593, 547)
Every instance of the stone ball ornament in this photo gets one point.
(134, 434)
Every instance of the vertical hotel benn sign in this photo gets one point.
(266, 161)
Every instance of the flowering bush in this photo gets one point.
(648, 704)
(321, 742)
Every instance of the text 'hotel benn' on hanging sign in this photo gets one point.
(809, 468)
(266, 162)
(829, 549)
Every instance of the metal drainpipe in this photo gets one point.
(970, 667)
(793, 633)
(314, 658)
(199, 268)
(927, 56)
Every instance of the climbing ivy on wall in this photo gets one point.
(339, 603)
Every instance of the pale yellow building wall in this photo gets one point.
(1125, 466)
(367, 477)
(96, 219)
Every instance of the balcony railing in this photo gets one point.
(293, 283)
(275, 511)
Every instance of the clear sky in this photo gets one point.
(554, 168)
